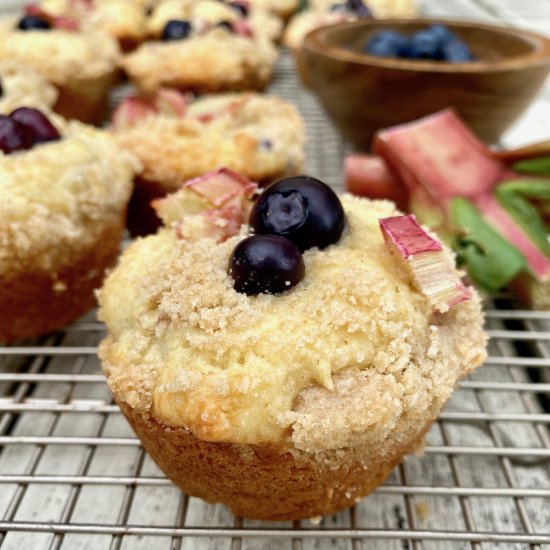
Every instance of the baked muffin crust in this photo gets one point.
(259, 136)
(212, 62)
(62, 214)
(61, 56)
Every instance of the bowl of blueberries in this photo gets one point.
(371, 74)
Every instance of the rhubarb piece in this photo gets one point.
(221, 185)
(369, 176)
(214, 205)
(170, 102)
(132, 110)
(129, 112)
(430, 267)
(540, 149)
(491, 260)
(538, 262)
(439, 154)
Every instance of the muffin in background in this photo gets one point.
(176, 139)
(81, 65)
(64, 189)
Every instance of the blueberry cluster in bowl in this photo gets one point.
(289, 217)
(436, 43)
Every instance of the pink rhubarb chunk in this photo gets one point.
(423, 256)
(131, 110)
(440, 154)
(221, 185)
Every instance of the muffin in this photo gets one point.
(260, 136)
(196, 54)
(64, 188)
(282, 397)
(125, 20)
(281, 8)
(22, 86)
(81, 65)
(243, 16)
(327, 12)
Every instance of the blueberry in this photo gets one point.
(176, 29)
(13, 135)
(265, 264)
(457, 52)
(37, 124)
(33, 23)
(339, 7)
(304, 210)
(442, 34)
(240, 8)
(227, 25)
(358, 8)
(386, 44)
(424, 45)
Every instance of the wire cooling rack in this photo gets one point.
(73, 475)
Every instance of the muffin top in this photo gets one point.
(212, 12)
(23, 86)
(336, 361)
(60, 192)
(60, 55)
(328, 12)
(119, 18)
(259, 136)
(214, 60)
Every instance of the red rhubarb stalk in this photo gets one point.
(431, 269)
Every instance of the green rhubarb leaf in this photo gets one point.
(516, 196)
(538, 165)
(492, 262)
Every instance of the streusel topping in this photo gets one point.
(338, 360)
(57, 192)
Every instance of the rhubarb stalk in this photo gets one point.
(431, 269)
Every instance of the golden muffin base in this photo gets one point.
(266, 482)
(34, 302)
(86, 100)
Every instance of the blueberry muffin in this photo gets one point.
(286, 373)
(22, 86)
(124, 20)
(64, 188)
(328, 12)
(260, 136)
(243, 17)
(199, 53)
(81, 65)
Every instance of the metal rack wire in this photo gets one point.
(73, 475)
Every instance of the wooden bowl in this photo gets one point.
(363, 93)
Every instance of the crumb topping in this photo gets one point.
(60, 192)
(258, 136)
(340, 359)
(320, 14)
(214, 61)
(24, 87)
(210, 12)
(119, 18)
(60, 56)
